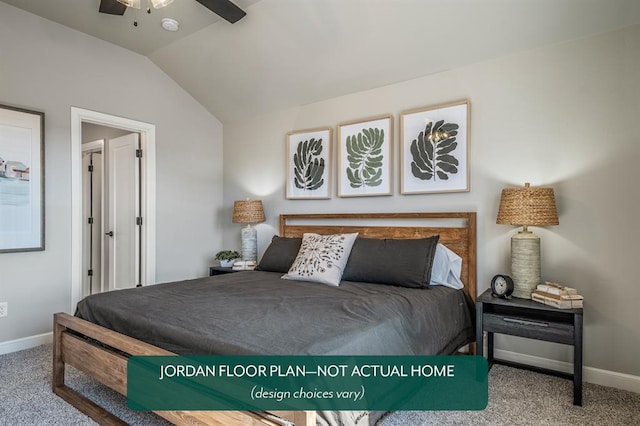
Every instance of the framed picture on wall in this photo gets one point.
(21, 180)
(434, 149)
(365, 157)
(309, 164)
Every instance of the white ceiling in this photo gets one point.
(287, 53)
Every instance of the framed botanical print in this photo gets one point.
(21, 179)
(434, 149)
(365, 157)
(308, 164)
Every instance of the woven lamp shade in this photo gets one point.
(248, 211)
(527, 206)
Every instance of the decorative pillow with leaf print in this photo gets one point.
(321, 258)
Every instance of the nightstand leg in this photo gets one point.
(577, 360)
(490, 348)
(479, 337)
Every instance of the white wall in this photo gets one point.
(565, 115)
(50, 68)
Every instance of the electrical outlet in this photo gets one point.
(4, 309)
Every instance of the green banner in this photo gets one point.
(307, 383)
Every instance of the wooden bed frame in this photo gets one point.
(102, 353)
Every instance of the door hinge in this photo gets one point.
(90, 272)
(90, 168)
(139, 220)
(90, 221)
(138, 153)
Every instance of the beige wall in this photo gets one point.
(566, 115)
(50, 68)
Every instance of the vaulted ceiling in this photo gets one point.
(287, 53)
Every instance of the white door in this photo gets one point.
(122, 232)
(92, 220)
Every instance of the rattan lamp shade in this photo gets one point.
(248, 211)
(526, 206)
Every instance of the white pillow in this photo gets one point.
(447, 267)
(321, 258)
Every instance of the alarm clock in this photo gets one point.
(502, 286)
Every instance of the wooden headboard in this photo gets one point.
(457, 231)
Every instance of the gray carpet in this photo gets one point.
(516, 397)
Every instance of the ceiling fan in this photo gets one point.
(223, 8)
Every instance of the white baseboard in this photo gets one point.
(25, 343)
(589, 374)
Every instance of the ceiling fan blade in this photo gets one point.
(112, 7)
(224, 8)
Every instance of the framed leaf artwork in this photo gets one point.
(308, 164)
(434, 151)
(365, 157)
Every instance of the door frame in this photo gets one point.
(148, 174)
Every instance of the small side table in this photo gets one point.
(533, 320)
(220, 270)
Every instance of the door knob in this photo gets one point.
(110, 233)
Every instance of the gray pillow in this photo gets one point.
(405, 263)
(280, 254)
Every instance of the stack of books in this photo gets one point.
(244, 265)
(556, 295)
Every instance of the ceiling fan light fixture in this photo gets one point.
(157, 4)
(131, 3)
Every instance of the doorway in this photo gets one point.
(111, 214)
(144, 249)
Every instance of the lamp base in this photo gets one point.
(525, 264)
(249, 236)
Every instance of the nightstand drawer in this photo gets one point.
(558, 332)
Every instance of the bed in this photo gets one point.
(113, 328)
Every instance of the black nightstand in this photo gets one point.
(533, 320)
(219, 270)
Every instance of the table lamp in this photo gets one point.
(526, 206)
(248, 211)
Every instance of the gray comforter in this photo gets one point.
(257, 313)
